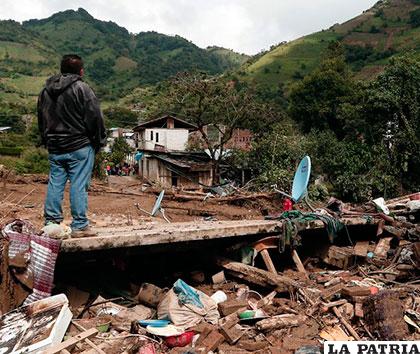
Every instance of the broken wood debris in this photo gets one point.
(344, 293)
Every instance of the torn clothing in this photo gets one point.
(296, 221)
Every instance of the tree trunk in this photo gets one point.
(215, 168)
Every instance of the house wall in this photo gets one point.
(155, 170)
(241, 139)
(195, 180)
(171, 139)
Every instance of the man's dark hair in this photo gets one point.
(71, 64)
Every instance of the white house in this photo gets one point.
(167, 133)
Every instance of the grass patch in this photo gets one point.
(21, 52)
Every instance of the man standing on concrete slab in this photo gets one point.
(72, 128)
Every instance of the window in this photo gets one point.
(157, 137)
(151, 135)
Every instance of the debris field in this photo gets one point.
(336, 273)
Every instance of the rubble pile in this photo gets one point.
(363, 286)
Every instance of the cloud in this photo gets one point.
(243, 25)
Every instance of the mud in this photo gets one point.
(113, 204)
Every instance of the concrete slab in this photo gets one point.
(155, 234)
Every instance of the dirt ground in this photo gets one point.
(114, 203)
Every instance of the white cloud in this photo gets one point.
(243, 25)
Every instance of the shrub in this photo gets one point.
(11, 150)
(356, 170)
(33, 161)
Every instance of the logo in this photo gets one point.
(372, 347)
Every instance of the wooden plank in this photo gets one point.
(299, 263)
(87, 340)
(346, 324)
(71, 341)
(268, 261)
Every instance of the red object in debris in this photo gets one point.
(373, 290)
(147, 349)
(415, 196)
(180, 341)
(287, 204)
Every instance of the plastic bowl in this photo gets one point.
(103, 327)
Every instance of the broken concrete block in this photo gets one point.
(347, 310)
(356, 291)
(228, 307)
(384, 314)
(357, 299)
(203, 329)
(361, 248)
(383, 247)
(358, 310)
(212, 341)
(219, 278)
(231, 319)
(232, 334)
(252, 345)
(340, 257)
(149, 295)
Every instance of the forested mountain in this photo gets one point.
(116, 60)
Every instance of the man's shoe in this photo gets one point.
(86, 232)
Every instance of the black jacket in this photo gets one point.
(69, 116)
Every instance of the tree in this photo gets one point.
(276, 154)
(315, 100)
(385, 114)
(120, 117)
(119, 150)
(217, 105)
(391, 108)
(415, 18)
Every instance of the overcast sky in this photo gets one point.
(246, 26)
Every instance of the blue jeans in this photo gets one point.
(75, 166)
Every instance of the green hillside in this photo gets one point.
(228, 58)
(116, 61)
(370, 40)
